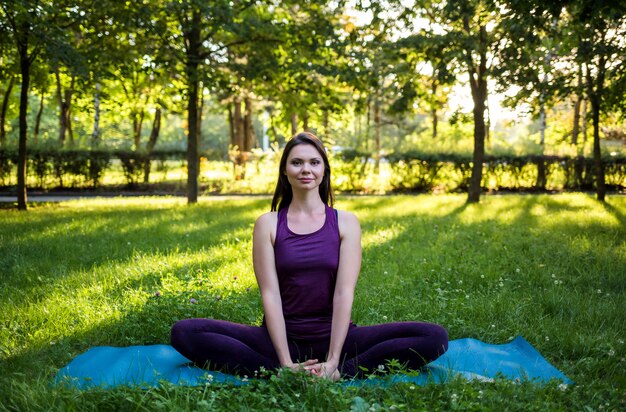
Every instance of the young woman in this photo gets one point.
(307, 258)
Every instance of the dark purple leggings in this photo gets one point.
(244, 349)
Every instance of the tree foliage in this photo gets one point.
(120, 74)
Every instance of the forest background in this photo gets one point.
(411, 83)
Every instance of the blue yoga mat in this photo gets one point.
(107, 366)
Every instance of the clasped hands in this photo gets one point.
(326, 370)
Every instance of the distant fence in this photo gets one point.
(353, 172)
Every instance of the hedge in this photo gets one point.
(355, 172)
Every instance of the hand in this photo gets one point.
(325, 370)
(302, 366)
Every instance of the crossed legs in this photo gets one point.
(244, 349)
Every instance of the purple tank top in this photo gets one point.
(307, 270)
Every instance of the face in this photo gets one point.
(305, 167)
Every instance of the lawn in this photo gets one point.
(551, 268)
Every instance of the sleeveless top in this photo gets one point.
(306, 265)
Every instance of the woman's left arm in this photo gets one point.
(347, 275)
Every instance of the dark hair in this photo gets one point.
(283, 193)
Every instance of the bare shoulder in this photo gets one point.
(267, 219)
(265, 225)
(348, 223)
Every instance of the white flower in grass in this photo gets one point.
(620, 341)
(412, 387)
(518, 270)
(381, 367)
(454, 397)
(482, 276)
(384, 317)
(547, 338)
(209, 378)
(611, 352)
(563, 386)
(599, 291)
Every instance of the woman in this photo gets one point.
(307, 258)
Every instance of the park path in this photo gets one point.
(66, 197)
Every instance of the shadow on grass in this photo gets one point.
(145, 325)
(413, 275)
(506, 267)
(621, 217)
(32, 246)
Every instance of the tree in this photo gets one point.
(589, 52)
(601, 30)
(35, 27)
(198, 34)
(528, 54)
(470, 27)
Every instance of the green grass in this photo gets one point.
(85, 273)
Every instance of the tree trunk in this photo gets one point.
(25, 62)
(294, 123)
(541, 174)
(576, 125)
(193, 79)
(62, 125)
(70, 130)
(540, 184)
(3, 112)
(478, 84)
(65, 100)
(200, 111)
(368, 125)
(474, 189)
(95, 136)
(377, 133)
(238, 124)
(577, 104)
(305, 120)
(38, 118)
(597, 155)
(377, 126)
(231, 124)
(542, 126)
(138, 117)
(154, 135)
(433, 112)
(595, 88)
(583, 128)
(248, 126)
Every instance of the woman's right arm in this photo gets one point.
(267, 278)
